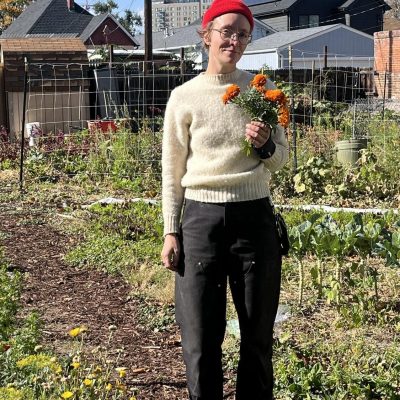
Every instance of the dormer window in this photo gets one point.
(308, 21)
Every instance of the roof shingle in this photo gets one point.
(52, 18)
(38, 44)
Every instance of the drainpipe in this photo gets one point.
(280, 59)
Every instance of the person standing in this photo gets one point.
(219, 226)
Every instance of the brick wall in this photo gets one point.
(387, 63)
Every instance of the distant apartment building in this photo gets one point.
(171, 14)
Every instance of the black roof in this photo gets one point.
(49, 17)
(349, 3)
(278, 6)
(269, 6)
(52, 18)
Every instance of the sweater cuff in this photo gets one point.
(267, 150)
(171, 224)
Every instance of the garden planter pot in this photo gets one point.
(102, 125)
(348, 151)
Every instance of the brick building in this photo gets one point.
(387, 63)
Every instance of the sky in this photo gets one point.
(134, 5)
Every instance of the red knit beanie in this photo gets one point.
(219, 7)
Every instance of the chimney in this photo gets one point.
(347, 18)
(70, 5)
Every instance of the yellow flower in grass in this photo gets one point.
(121, 372)
(77, 331)
(40, 361)
(75, 365)
(108, 387)
(67, 395)
(88, 382)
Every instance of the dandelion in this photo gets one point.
(77, 331)
(67, 395)
(121, 371)
(108, 387)
(75, 364)
(88, 382)
(232, 92)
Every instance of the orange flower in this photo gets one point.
(231, 93)
(276, 95)
(283, 117)
(259, 81)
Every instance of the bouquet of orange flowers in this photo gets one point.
(267, 106)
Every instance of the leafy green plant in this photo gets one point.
(313, 177)
(299, 237)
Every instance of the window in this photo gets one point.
(308, 21)
(313, 21)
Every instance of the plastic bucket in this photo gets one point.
(348, 151)
(30, 128)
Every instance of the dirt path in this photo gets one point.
(66, 297)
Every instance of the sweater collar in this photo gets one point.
(221, 78)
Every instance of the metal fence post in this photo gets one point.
(21, 163)
(292, 110)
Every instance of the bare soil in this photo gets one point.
(66, 297)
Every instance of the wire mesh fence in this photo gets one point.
(106, 120)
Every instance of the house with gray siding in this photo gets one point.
(187, 38)
(346, 47)
(288, 15)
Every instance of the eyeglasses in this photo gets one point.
(241, 37)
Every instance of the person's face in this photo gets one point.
(225, 51)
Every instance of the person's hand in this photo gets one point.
(257, 133)
(171, 252)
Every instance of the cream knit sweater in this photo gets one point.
(202, 154)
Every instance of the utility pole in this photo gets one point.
(148, 36)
